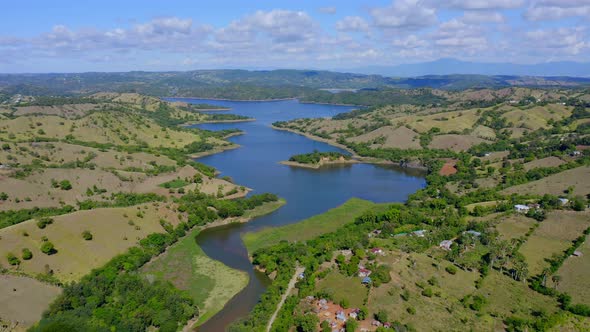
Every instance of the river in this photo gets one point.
(308, 192)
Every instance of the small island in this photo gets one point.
(318, 159)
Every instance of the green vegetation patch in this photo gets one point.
(309, 228)
(175, 184)
(342, 288)
(209, 283)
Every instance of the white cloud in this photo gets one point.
(479, 4)
(475, 17)
(327, 10)
(555, 10)
(404, 14)
(558, 41)
(352, 23)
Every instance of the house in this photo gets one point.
(353, 315)
(376, 323)
(301, 275)
(366, 280)
(446, 244)
(521, 208)
(387, 325)
(576, 153)
(577, 253)
(563, 201)
(472, 232)
(419, 233)
(377, 251)
(341, 316)
(364, 272)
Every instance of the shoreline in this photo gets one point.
(320, 164)
(216, 150)
(218, 121)
(360, 159)
(227, 99)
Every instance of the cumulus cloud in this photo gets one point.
(282, 26)
(558, 41)
(168, 33)
(352, 23)
(479, 4)
(547, 10)
(404, 14)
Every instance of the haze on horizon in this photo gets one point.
(66, 36)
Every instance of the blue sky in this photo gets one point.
(74, 36)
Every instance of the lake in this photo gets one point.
(308, 192)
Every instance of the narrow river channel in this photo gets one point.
(308, 192)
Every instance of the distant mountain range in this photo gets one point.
(454, 66)
(268, 84)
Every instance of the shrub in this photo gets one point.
(87, 235)
(48, 248)
(427, 292)
(411, 310)
(451, 269)
(405, 295)
(27, 254)
(65, 185)
(43, 222)
(12, 259)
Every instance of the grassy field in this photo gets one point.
(553, 236)
(342, 287)
(210, 283)
(574, 276)
(556, 184)
(114, 230)
(432, 313)
(514, 226)
(23, 300)
(309, 228)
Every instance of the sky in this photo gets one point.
(160, 35)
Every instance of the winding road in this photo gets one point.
(298, 271)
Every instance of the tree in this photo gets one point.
(362, 314)
(48, 248)
(326, 326)
(12, 259)
(382, 316)
(65, 185)
(351, 325)
(87, 235)
(578, 203)
(27, 254)
(307, 323)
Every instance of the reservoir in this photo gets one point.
(308, 192)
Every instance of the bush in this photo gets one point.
(451, 269)
(12, 259)
(411, 310)
(87, 235)
(43, 222)
(382, 316)
(65, 185)
(27, 254)
(48, 248)
(427, 292)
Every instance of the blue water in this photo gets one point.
(308, 192)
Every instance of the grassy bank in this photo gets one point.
(210, 283)
(309, 228)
